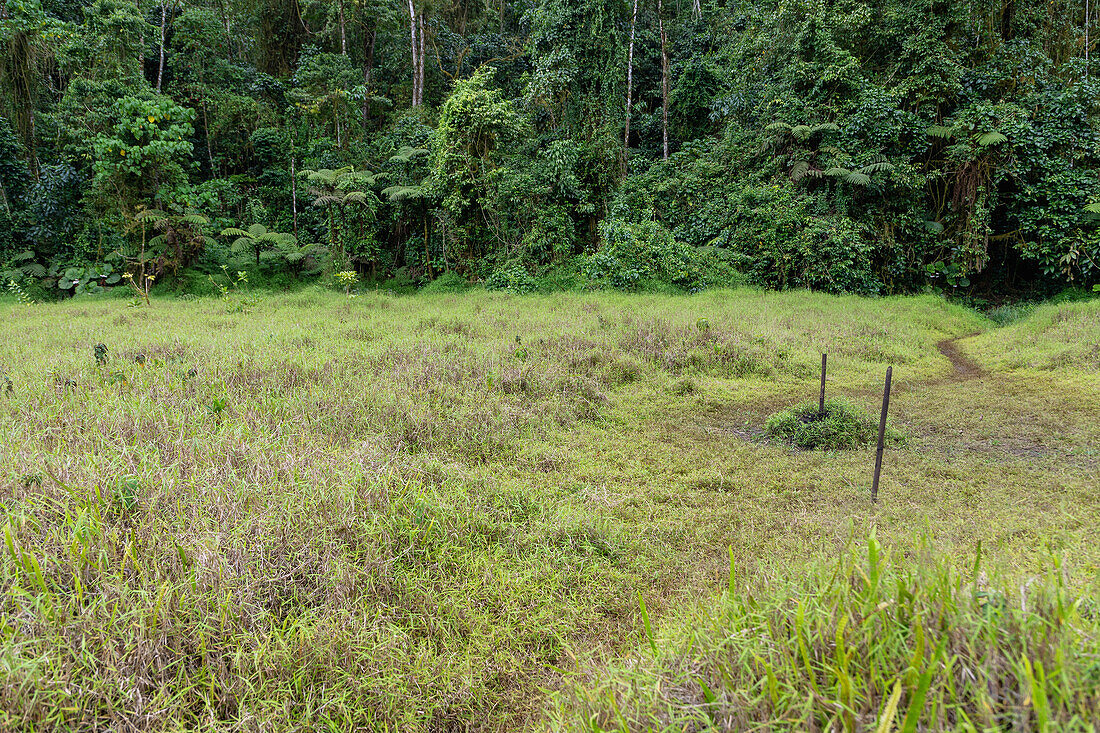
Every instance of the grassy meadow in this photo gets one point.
(491, 512)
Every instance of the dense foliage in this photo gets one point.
(844, 145)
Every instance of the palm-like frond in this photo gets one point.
(987, 139)
(404, 193)
(940, 131)
(407, 153)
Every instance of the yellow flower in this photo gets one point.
(152, 119)
(122, 152)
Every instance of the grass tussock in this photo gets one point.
(842, 426)
(870, 643)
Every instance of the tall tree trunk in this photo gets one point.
(696, 10)
(415, 51)
(420, 58)
(629, 86)
(368, 68)
(228, 33)
(206, 132)
(664, 78)
(163, 33)
(293, 195)
(343, 31)
(427, 250)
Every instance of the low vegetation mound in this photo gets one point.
(842, 426)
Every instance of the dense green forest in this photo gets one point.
(869, 146)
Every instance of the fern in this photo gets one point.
(988, 139)
(941, 131)
(406, 154)
(404, 193)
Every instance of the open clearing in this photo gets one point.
(440, 512)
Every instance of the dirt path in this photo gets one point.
(964, 367)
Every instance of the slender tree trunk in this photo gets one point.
(343, 32)
(427, 250)
(420, 58)
(206, 131)
(664, 78)
(415, 50)
(696, 10)
(629, 86)
(228, 33)
(163, 33)
(293, 196)
(368, 68)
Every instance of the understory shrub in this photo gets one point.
(636, 252)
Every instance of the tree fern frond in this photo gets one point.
(802, 132)
(858, 179)
(798, 170)
(940, 131)
(878, 167)
(987, 139)
(234, 232)
(407, 153)
(402, 193)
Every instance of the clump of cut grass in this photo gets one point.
(842, 426)
(869, 643)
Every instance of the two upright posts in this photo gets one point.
(881, 422)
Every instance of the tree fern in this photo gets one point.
(941, 131)
(988, 139)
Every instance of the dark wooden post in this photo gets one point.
(821, 403)
(881, 435)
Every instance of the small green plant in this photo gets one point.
(126, 496)
(140, 285)
(217, 407)
(17, 290)
(9, 387)
(232, 290)
(842, 426)
(100, 353)
(347, 278)
(702, 324)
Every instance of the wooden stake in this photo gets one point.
(881, 435)
(821, 403)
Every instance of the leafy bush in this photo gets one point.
(512, 278)
(843, 426)
(448, 282)
(635, 252)
(780, 242)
